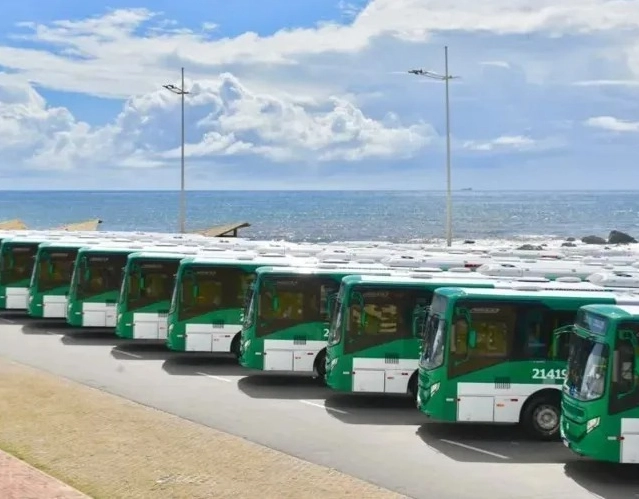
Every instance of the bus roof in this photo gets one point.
(619, 312)
(131, 247)
(247, 259)
(322, 268)
(161, 255)
(72, 243)
(631, 296)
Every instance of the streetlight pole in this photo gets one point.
(181, 92)
(446, 77)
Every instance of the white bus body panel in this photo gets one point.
(17, 298)
(98, 314)
(492, 403)
(210, 337)
(149, 326)
(630, 444)
(382, 375)
(54, 306)
(291, 355)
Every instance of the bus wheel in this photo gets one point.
(412, 387)
(235, 346)
(541, 416)
(320, 366)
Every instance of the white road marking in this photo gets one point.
(322, 406)
(134, 355)
(219, 378)
(9, 321)
(476, 449)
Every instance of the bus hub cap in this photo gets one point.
(547, 418)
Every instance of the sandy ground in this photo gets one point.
(109, 447)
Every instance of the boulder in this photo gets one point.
(469, 241)
(570, 239)
(593, 240)
(569, 245)
(530, 247)
(618, 237)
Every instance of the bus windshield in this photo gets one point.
(288, 301)
(587, 365)
(206, 289)
(377, 316)
(100, 273)
(17, 263)
(55, 269)
(150, 282)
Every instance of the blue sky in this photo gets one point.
(314, 94)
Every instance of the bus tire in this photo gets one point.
(412, 387)
(320, 366)
(540, 415)
(235, 345)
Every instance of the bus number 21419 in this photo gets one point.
(548, 374)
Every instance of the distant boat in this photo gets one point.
(466, 189)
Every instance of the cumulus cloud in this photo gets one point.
(321, 95)
(231, 120)
(126, 50)
(505, 142)
(612, 124)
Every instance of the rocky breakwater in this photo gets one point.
(615, 237)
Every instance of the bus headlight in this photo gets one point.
(433, 389)
(170, 328)
(119, 317)
(333, 363)
(592, 424)
(247, 343)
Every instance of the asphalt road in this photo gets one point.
(380, 439)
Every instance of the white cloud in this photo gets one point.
(129, 51)
(233, 121)
(496, 64)
(612, 124)
(309, 96)
(505, 142)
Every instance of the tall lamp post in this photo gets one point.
(181, 92)
(446, 78)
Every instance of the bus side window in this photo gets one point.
(624, 384)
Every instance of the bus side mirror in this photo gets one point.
(628, 336)
(472, 338)
(330, 303)
(556, 336)
(420, 313)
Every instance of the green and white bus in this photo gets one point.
(207, 306)
(287, 317)
(600, 401)
(17, 256)
(499, 356)
(96, 282)
(374, 343)
(145, 294)
(51, 277)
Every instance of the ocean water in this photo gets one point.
(339, 215)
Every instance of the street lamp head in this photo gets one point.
(175, 90)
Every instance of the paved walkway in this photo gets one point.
(18, 480)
